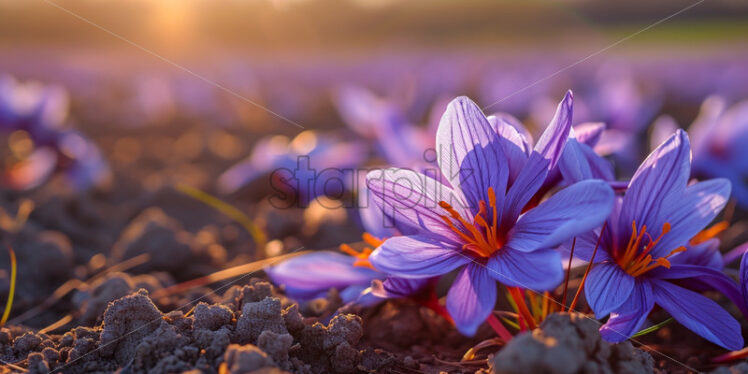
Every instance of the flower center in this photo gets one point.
(635, 259)
(362, 257)
(481, 238)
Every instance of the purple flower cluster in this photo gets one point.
(500, 210)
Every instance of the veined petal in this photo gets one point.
(628, 319)
(412, 199)
(572, 211)
(690, 212)
(551, 143)
(704, 277)
(699, 314)
(664, 173)
(599, 166)
(607, 288)
(514, 144)
(417, 257)
(702, 254)
(470, 153)
(539, 270)
(580, 162)
(310, 274)
(373, 219)
(573, 165)
(471, 298)
(544, 157)
(517, 125)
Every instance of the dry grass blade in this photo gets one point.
(12, 291)
(60, 323)
(232, 212)
(223, 275)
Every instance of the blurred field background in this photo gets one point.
(289, 55)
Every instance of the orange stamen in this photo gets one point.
(362, 257)
(481, 237)
(636, 259)
(372, 240)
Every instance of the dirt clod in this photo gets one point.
(126, 322)
(247, 358)
(567, 344)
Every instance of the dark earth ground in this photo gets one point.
(82, 301)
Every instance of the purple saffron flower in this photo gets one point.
(653, 221)
(480, 222)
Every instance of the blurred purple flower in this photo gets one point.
(40, 110)
(85, 166)
(32, 171)
(307, 166)
(400, 142)
(39, 113)
(653, 221)
(485, 231)
(720, 135)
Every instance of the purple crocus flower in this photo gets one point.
(650, 225)
(479, 222)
